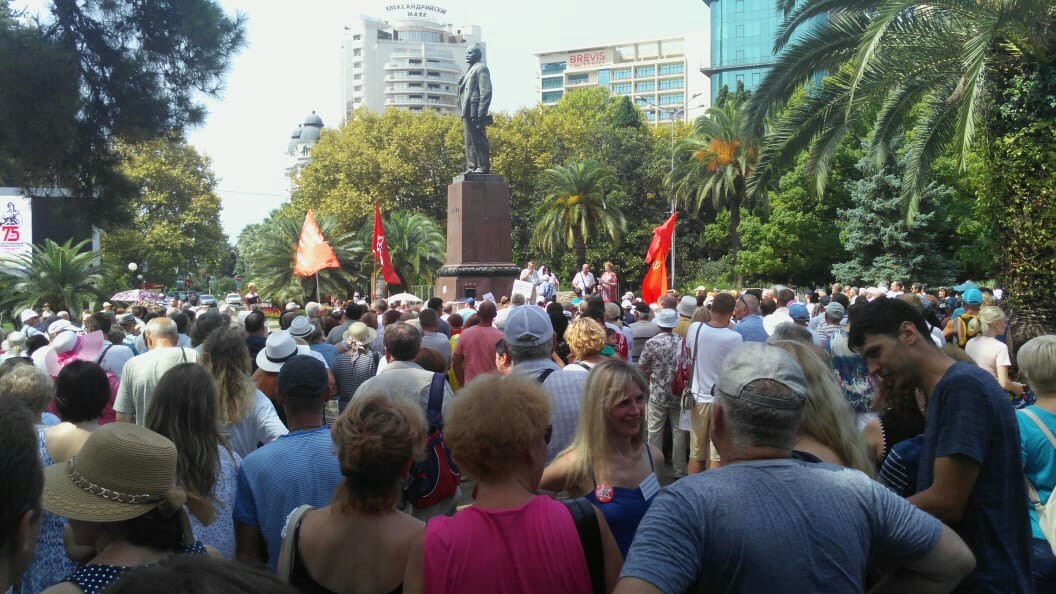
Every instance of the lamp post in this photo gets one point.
(132, 267)
(674, 206)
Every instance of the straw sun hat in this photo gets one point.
(122, 472)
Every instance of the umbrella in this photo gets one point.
(404, 297)
(136, 295)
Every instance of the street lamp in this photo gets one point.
(674, 207)
(132, 267)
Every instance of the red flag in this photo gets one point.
(313, 253)
(381, 250)
(655, 282)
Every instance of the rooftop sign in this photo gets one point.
(588, 59)
(415, 10)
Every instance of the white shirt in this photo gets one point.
(114, 357)
(584, 282)
(988, 353)
(709, 353)
(772, 321)
(261, 425)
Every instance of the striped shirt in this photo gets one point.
(352, 369)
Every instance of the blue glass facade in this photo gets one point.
(742, 42)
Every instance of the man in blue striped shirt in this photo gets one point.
(295, 469)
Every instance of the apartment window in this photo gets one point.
(738, 6)
(578, 79)
(357, 65)
(415, 61)
(671, 83)
(414, 72)
(551, 96)
(622, 74)
(675, 99)
(739, 57)
(738, 31)
(670, 69)
(740, 78)
(621, 89)
(357, 37)
(647, 85)
(414, 85)
(434, 86)
(357, 52)
(552, 68)
(755, 79)
(357, 76)
(553, 82)
(415, 97)
(645, 71)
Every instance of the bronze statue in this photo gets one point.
(474, 99)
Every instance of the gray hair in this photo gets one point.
(752, 425)
(162, 327)
(751, 302)
(525, 353)
(791, 331)
(517, 299)
(30, 385)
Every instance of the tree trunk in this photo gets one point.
(734, 204)
(1022, 192)
(579, 245)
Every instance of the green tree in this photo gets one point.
(937, 71)
(416, 246)
(65, 276)
(176, 216)
(268, 250)
(89, 72)
(575, 209)
(713, 165)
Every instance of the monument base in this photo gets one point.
(479, 239)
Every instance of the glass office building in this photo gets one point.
(742, 42)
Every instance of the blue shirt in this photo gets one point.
(327, 350)
(969, 415)
(295, 469)
(751, 329)
(901, 467)
(775, 526)
(1039, 460)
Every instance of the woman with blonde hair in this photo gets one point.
(610, 460)
(512, 539)
(361, 541)
(828, 430)
(586, 339)
(987, 351)
(244, 412)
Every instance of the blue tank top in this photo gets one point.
(626, 509)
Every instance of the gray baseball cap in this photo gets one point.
(528, 326)
(755, 361)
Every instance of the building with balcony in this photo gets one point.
(662, 76)
(409, 60)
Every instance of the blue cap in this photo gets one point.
(972, 297)
(470, 301)
(799, 312)
(965, 286)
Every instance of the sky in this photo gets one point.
(291, 66)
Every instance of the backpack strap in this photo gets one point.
(590, 539)
(102, 355)
(434, 413)
(541, 377)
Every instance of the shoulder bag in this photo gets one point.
(590, 539)
(288, 551)
(682, 382)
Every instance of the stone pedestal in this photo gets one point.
(479, 239)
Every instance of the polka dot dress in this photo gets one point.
(94, 579)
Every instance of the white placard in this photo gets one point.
(523, 288)
(16, 226)
(489, 297)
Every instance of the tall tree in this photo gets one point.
(714, 164)
(63, 275)
(90, 72)
(175, 223)
(939, 70)
(575, 209)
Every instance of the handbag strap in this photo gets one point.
(589, 531)
(1035, 499)
(693, 353)
(288, 551)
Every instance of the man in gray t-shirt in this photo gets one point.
(766, 522)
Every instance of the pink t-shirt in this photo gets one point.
(532, 548)
(477, 345)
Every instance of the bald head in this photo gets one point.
(161, 332)
(487, 311)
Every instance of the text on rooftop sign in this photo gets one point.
(414, 10)
(587, 59)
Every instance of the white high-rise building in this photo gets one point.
(662, 76)
(411, 59)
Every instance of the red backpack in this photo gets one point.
(435, 478)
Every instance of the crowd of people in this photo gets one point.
(840, 439)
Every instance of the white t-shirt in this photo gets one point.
(261, 425)
(714, 345)
(113, 357)
(988, 353)
(772, 321)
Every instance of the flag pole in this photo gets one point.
(317, 297)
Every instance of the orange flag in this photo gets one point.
(313, 253)
(655, 282)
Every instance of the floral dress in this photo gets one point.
(221, 533)
(50, 564)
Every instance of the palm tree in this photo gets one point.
(713, 165)
(936, 70)
(417, 246)
(63, 275)
(575, 208)
(268, 255)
